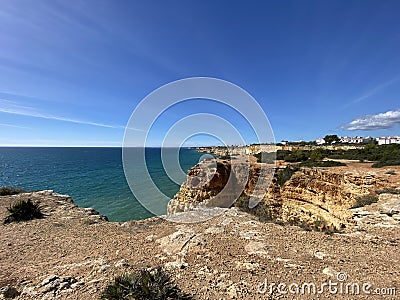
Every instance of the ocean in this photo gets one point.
(93, 177)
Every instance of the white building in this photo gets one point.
(388, 140)
(320, 141)
(354, 140)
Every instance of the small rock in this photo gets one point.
(175, 242)
(69, 279)
(330, 272)
(295, 266)
(49, 279)
(251, 235)
(150, 238)
(256, 248)
(103, 218)
(226, 221)
(178, 264)
(320, 255)
(121, 263)
(285, 260)
(232, 291)
(103, 268)
(94, 281)
(250, 266)
(77, 284)
(28, 290)
(214, 230)
(90, 211)
(64, 286)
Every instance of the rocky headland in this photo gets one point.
(314, 198)
(73, 252)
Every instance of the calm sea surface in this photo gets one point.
(93, 177)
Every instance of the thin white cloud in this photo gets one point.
(57, 143)
(56, 118)
(372, 92)
(373, 122)
(14, 126)
(16, 109)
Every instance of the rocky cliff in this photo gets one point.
(315, 198)
(73, 252)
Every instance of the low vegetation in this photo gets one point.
(23, 210)
(266, 157)
(388, 191)
(382, 155)
(306, 158)
(365, 200)
(8, 190)
(324, 163)
(153, 284)
(384, 163)
(284, 175)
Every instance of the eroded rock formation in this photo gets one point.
(315, 198)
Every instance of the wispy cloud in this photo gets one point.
(76, 23)
(14, 126)
(58, 143)
(15, 109)
(372, 92)
(372, 122)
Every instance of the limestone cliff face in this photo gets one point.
(322, 198)
(314, 198)
(210, 184)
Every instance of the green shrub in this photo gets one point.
(383, 155)
(388, 191)
(8, 190)
(285, 174)
(152, 284)
(389, 162)
(365, 200)
(23, 210)
(266, 157)
(325, 163)
(281, 154)
(297, 156)
(331, 139)
(317, 154)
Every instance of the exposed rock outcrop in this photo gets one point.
(384, 213)
(315, 198)
(73, 254)
(322, 198)
(210, 183)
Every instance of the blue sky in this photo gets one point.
(72, 72)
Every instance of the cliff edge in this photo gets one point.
(314, 198)
(73, 252)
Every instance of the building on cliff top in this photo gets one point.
(388, 140)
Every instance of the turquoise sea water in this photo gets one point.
(93, 177)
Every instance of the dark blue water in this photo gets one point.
(93, 177)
